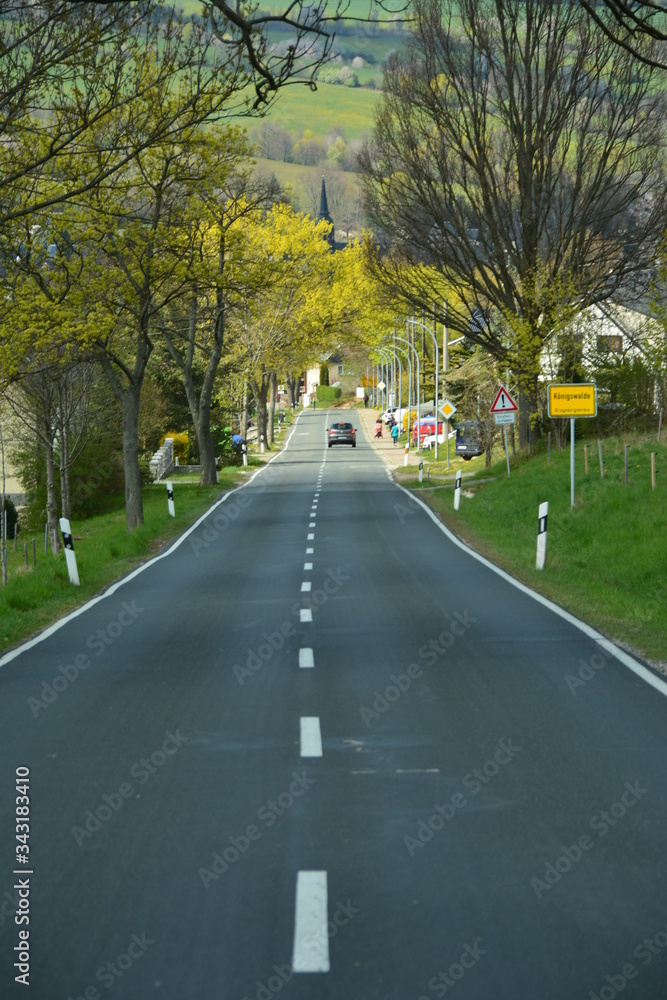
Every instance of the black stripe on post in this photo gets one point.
(67, 541)
(170, 494)
(542, 525)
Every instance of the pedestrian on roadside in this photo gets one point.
(394, 433)
(366, 400)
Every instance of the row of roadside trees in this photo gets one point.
(130, 224)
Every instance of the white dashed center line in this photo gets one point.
(311, 736)
(311, 937)
(306, 657)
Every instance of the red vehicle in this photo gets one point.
(426, 428)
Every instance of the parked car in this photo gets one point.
(342, 432)
(469, 442)
(426, 428)
(429, 440)
(393, 411)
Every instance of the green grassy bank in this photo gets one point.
(35, 597)
(606, 557)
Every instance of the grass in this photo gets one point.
(606, 557)
(34, 598)
(298, 107)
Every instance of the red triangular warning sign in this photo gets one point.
(503, 403)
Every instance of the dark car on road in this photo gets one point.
(342, 432)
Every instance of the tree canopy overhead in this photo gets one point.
(517, 159)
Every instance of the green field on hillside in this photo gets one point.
(297, 107)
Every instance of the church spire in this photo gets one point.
(324, 213)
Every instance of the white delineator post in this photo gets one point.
(70, 556)
(457, 491)
(421, 470)
(542, 535)
(407, 450)
(170, 499)
(244, 449)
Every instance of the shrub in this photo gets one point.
(348, 78)
(328, 75)
(328, 394)
(181, 445)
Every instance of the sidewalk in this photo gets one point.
(393, 456)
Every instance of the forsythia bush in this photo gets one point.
(181, 445)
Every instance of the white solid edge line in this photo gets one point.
(51, 629)
(311, 936)
(306, 657)
(310, 736)
(305, 615)
(625, 658)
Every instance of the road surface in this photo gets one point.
(321, 752)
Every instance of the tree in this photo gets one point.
(70, 74)
(630, 23)
(219, 207)
(288, 261)
(124, 249)
(518, 160)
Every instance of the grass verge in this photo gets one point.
(34, 598)
(606, 557)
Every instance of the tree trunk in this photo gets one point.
(65, 490)
(273, 383)
(244, 411)
(51, 495)
(260, 391)
(527, 411)
(206, 443)
(292, 390)
(134, 510)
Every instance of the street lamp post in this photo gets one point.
(437, 365)
(412, 347)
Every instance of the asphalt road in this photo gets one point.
(319, 751)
